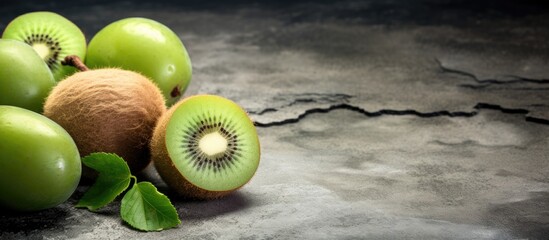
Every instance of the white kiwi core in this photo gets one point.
(212, 144)
(42, 49)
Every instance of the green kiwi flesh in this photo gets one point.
(52, 36)
(205, 147)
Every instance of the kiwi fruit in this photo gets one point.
(52, 36)
(205, 147)
(108, 110)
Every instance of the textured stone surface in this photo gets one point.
(378, 119)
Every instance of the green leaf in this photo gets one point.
(144, 208)
(114, 177)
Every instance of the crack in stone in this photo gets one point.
(480, 106)
(513, 111)
(473, 86)
(266, 110)
(305, 98)
(382, 112)
(362, 111)
(318, 98)
(483, 83)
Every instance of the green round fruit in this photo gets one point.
(39, 163)
(147, 47)
(25, 79)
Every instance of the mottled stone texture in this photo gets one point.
(378, 119)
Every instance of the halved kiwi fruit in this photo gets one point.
(205, 147)
(52, 36)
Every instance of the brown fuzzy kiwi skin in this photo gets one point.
(108, 110)
(166, 168)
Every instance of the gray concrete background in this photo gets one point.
(377, 119)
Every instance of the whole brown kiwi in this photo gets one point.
(108, 110)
